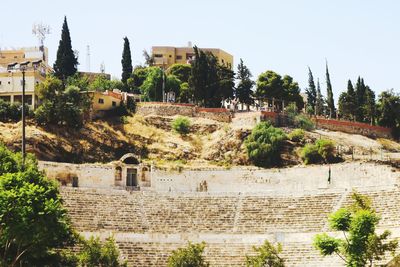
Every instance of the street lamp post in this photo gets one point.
(23, 66)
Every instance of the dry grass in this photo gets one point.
(389, 145)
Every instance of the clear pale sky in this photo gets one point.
(357, 37)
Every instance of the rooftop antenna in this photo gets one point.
(102, 67)
(41, 30)
(88, 58)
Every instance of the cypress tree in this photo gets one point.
(352, 104)
(66, 62)
(329, 97)
(319, 102)
(245, 84)
(311, 91)
(126, 62)
(360, 99)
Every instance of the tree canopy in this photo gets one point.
(66, 62)
(360, 245)
(33, 221)
(267, 256)
(126, 62)
(190, 256)
(244, 86)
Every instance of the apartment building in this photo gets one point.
(11, 78)
(165, 56)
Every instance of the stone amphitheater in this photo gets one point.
(149, 224)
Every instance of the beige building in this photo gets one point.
(11, 79)
(165, 56)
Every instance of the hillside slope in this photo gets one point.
(151, 138)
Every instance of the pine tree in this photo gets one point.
(329, 97)
(126, 62)
(319, 102)
(311, 91)
(66, 62)
(245, 84)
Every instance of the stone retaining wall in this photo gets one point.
(354, 128)
(188, 110)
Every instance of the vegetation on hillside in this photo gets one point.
(264, 144)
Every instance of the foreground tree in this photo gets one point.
(66, 62)
(361, 246)
(32, 220)
(126, 62)
(191, 256)
(97, 253)
(244, 87)
(311, 91)
(267, 256)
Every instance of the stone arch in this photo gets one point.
(129, 158)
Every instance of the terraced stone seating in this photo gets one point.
(97, 210)
(262, 214)
(189, 213)
(150, 225)
(222, 254)
(386, 203)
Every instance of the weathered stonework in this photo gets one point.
(188, 110)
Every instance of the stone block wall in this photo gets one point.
(188, 110)
(94, 175)
(294, 180)
(354, 128)
(165, 109)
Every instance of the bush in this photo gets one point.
(181, 125)
(264, 144)
(326, 148)
(303, 122)
(322, 151)
(297, 135)
(12, 112)
(309, 154)
(191, 256)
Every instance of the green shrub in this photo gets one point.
(322, 151)
(303, 122)
(181, 125)
(326, 148)
(264, 144)
(12, 112)
(309, 154)
(297, 135)
(192, 255)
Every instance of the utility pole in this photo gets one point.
(23, 67)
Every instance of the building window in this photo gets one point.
(114, 104)
(178, 57)
(0, 82)
(101, 101)
(9, 82)
(170, 55)
(158, 55)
